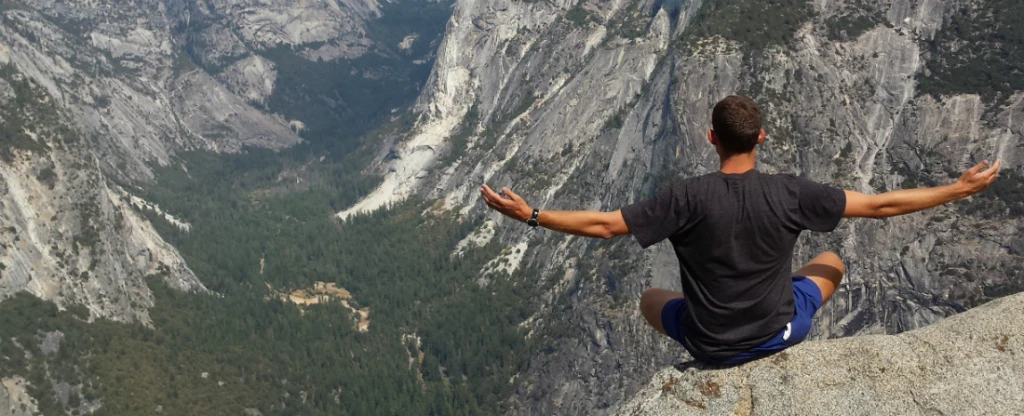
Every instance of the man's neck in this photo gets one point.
(738, 163)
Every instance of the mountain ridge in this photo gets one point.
(575, 104)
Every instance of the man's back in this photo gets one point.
(734, 236)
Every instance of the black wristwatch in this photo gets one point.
(532, 221)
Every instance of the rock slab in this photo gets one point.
(968, 364)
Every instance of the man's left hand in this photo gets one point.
(508, 203)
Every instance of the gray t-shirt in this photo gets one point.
(734, 236)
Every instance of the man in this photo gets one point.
(734, 231)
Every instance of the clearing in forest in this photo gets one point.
(322, 292)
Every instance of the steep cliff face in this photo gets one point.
(595, 104)
(333, 68)
(101, 91)
(119, 73)
(336, 28)
(70, 234)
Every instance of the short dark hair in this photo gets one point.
(737, 123)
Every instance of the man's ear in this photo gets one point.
(712, 138)
(760, 137)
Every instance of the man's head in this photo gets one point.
(736, 125)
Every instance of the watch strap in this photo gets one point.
(532, 221)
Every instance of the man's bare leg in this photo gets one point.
(652, 301)
(826, 271)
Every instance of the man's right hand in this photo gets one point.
(906, 201)
(975, 179)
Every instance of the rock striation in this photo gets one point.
(70, 235)
(326, 29)
(119, 73)
(968, 364)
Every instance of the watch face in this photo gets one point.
(532, 221)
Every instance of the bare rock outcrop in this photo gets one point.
(968, 364)
(14, 398)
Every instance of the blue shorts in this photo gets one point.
(806, 298)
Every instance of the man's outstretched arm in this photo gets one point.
(585, 223)
(905, 201)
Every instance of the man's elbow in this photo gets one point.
(876, 214)
(883, 211)
(876, 207)
(612, 231)
(613, 225)
(873, 213)
(605, 233)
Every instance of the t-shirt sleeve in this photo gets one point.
(657, 218)
(821, 206)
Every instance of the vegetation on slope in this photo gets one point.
(756, 25)
(853, 19)
(978, 51)
(27, 117)
(250, 230)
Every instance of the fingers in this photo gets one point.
(512, 195)
(489, 194)
(976, 168)
(494, 200)
(992, 170)
(486, 190)
(508, 203)
(490, 197)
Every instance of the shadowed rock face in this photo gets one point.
(969, 364)
(596, 104)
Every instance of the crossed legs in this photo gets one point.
(652, 301)
(826, 270)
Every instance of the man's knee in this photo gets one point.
(652, 300)
(834, 260)
(827, 271)
(648, 299)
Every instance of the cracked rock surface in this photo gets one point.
(969, 364)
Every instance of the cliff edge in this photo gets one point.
(968, 364)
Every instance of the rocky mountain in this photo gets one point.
(964, 365)
(575, 104)
(594, 104)
(96, 94)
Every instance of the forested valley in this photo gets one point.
(241, 346)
